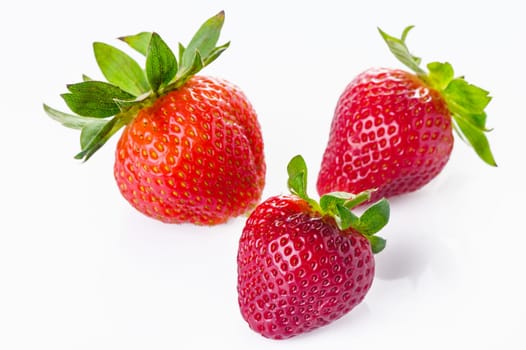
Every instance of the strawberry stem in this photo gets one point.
(358, 199)
(338, 205)
(103, 108)
(466, 102)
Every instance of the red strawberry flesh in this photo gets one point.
(195, 155)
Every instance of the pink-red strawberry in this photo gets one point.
(392, 130)
(191, 149)
(303, 264)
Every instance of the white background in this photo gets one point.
(81, 269)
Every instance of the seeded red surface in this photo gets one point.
(297, 271)
(195, 155)
(390, 131)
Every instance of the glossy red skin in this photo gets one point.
(390, 131)
(195, 155)
(297, 271)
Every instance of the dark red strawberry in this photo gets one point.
(303, 264)
(192, 149)
(392, 130)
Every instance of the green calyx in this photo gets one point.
(466, 102)
(338, 205)
(101, 108)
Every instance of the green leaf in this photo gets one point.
(188, 72)
(68, 120)
(477, 139)
(204, 40)
(401, 51)
(467, 101)
(440, 74)
(94, 98)
(91, 130)
(94, 136)
(297, 182)
(94, 131)
(479, 120)
(124, 105)
(120, 69)
(215, 53)
(181, 52)
(138, 42)
(337, 205)
(345, 218)
(161, 65)
(377, 243)
(374, 218)
(86, 78)
(329, 201)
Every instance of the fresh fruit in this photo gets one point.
(192, 149)
(392, 130)
(303, 264)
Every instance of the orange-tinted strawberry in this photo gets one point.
(194, 155)
(392, 130)
(191, 149)
(303, 264)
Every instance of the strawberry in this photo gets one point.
(303, 264)
(392, 129)
(191, 149)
